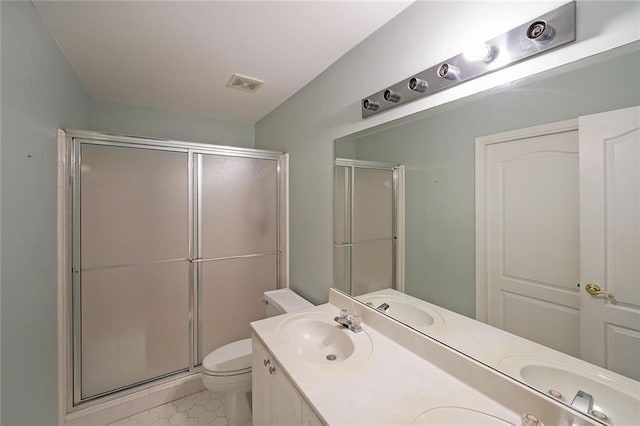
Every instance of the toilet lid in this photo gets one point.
(235, 356)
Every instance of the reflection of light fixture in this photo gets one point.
(448, 71)
(480, 53)
(418, 85)
(370, 105)
(391, 96)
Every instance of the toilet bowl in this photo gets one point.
(228, 368)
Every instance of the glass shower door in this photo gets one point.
(237, 251)
(172, 245)
(131, 280)
(372, 230)
(342, 228)
(364, 237)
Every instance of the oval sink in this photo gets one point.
(318, 339)
(449, 416)
(404, 312)
(619, 401)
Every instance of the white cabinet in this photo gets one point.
(309, 418)
(286, 402)
(276, 401)
(261, 383)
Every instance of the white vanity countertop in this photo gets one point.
(475, 338)
(391, 386)
(615, 396)
(492, 346)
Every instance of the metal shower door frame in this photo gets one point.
(74, 141)
(351, 165)
(197, 259)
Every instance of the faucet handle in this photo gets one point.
(356, 322)
(344, 313)
(583, 402)
(530, 420)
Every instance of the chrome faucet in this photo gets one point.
(383, 307)
(352, 322)
(583, 402)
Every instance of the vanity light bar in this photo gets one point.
(546, 32)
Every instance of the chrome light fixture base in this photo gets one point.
(537, 36)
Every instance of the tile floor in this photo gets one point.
(202, 408)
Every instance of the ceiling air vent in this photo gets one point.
(244, 83)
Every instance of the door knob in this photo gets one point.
(595, 290)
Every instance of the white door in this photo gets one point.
(610, 239)
(531, 233)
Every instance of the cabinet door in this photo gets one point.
(309, 418)
(286, 401)
(261, 384)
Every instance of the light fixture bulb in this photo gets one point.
(448, 71)
(370, 105)
(418, 85)
(391, 96)
(479, 53)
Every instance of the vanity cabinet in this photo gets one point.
(276, 401)
(309, 418)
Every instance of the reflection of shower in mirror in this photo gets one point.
(368, 217)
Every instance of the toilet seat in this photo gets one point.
(233, 359)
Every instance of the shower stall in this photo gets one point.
(172, 245)
(368, 226)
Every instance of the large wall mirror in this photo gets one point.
(478, 209)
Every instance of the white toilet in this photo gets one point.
(228, 368)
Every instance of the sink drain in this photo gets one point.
(331, 357)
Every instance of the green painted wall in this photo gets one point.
(40, 93)
(329, 106)
(439, 154)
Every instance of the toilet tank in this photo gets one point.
(283, 301)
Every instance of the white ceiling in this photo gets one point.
(178, 55)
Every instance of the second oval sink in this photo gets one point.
(618, 401)
(403, 311)
(320, 340)
(449, 416)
